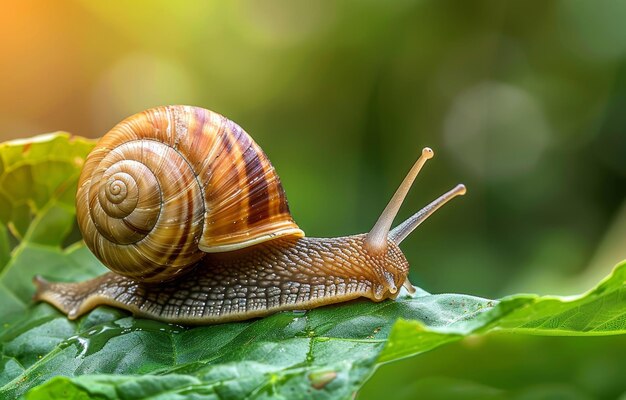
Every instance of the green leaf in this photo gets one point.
(324, 353)
(601, 311)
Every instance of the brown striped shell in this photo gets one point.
(169, 184)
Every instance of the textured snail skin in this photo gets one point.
(284, 274)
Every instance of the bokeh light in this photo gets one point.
(496, 130)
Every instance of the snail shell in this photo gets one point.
(170, 184)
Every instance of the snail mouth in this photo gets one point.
(382, 292)
(387, 288)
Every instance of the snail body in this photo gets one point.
(190, 216)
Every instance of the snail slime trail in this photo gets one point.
(190, 216)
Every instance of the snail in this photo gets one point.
(189, 215)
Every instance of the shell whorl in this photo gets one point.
(167, 185)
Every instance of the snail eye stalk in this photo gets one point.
(399, 233)
(376, 239)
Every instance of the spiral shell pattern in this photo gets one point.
(171, 183)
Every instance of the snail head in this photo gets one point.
(384, 241)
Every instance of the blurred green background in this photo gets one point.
(523, 101)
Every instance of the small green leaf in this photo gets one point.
(324, 353)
